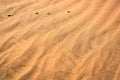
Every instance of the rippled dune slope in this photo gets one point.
(59, 39)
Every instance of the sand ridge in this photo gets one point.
(59, 40)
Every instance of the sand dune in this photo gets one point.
(59, 39)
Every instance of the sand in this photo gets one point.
(59, 39)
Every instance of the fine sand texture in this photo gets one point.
(59, 39)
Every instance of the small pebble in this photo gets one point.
(9, 15)
(49, 13)
(68, 11)
(36, 13)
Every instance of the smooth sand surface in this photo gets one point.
(59, 39)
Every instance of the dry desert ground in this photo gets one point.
(59, 39)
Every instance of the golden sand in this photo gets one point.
(59, 39)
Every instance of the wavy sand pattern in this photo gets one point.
(59, 39)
